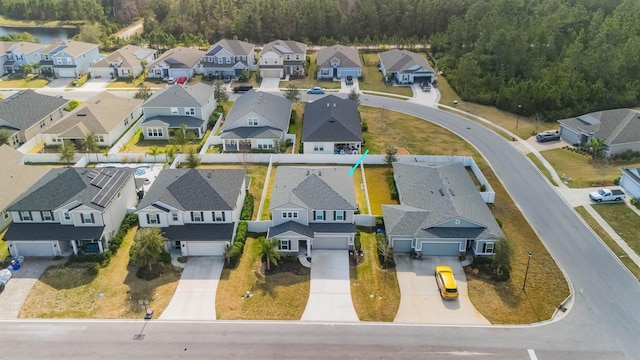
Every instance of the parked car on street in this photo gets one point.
(607, 195)
(446, 282)
(316, 90)
(242, 88)
(547, 136)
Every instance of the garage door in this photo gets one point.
(344, 73)
(331, 243)
(440, 249)
(176, 73)
(32, 248)
(66, 73)
(209, 248)
(101, 73)
(401, 246)
(270, 73)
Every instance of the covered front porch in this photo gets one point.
(349, 148)
(63, 239)
(241, 145)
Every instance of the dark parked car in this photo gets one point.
(227, 79)
(242, 88)
(548, 136)
(349, 80)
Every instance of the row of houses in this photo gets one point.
(226, 58)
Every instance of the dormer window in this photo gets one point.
(190, 111)
(252, 121)
(25, 215)
(46, 215)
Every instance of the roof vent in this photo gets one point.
(319, 173)
(307, 172)
(328, 105)
(451, 192)
(82, 114)
(209, 175)
(441, 191)
(98, 101)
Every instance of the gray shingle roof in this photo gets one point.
(197, 95)
(432, 194)
(51, 231)
(618, 126)
(314, 188)
(348, 56)
(235, 47)
(196, 189)
(59, 187)
(285, 47)
(403, 61)
(275, 108)
(199, 232)
(127, 56)
(27, 107)
(252, 132)
(15, 176)
(331, 119)
(311, 229)
(180, 57)
(174, 121)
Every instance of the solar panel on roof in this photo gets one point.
(93, 173)
(109, 186)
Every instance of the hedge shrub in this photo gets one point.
(238, 242)
(247, 208)
(393, 190)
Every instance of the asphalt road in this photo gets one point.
(603, 324)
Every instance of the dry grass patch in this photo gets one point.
(372, 78)
(296, 128)
(623, 220)
(370, 278)
(582, 170)
(72, 292)
(378, 188)
(615, 248)
(29, 82)
(358, 185)
(534, 159)
(4, 250)
(282, 295)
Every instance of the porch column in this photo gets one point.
(75, 247)
(308, 247)
(100, 247)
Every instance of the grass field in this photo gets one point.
(541, 167)
(615, 248)
(29, 82)
(369, 278)
(358, 185)
(280, 296)
(296, 128)
(378, 188)
(4, 250)
(266, 213)
(624, 221)
(72, 292)
(582, 170)
(372, 78)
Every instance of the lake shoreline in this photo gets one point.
(11, 23)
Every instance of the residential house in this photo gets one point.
(282, 57)
(405, 67)
(257, 120)
(229, 58)
(177, 62)
(331, 126)
(313, 208)
(105, 115)
(26, 114)
(619, 129)
(69, 58)
(197, 209)
(125, 63)
(70, 210)
(174, 106)
(441, 212)
(15, 54)
(338, 62)
(630, 181)
(15, 176)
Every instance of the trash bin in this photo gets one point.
(15, 264)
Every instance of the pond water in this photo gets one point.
(46, 35)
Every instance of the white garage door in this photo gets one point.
(331, 243)
(66, 73)
(101, 73)
(176, 73)
(32, 248)
(208, 248)
(440, 249)
(270, 73)
(343, 73)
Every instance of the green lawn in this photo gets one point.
(371, 79)
(542, 168)
(296, 128)
(580, 171)
(378, 189)
(29, 82)
(266, 213)
(358, 185)
(624, 221)
(4, 21)
(4, 250)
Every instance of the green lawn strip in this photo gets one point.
(112, 293)
(623, 220)
(615, 248)
(358, 185)
(23, 83)
(397, 97)
(369, 278)
(266, 212)
(379, 193)
(279, 296)
(542, 168)
(4, 249)
(580, 171)
(296, 128)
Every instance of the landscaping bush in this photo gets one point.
(499, 222)
(357, 243)
(385, 252)
(616, 181)
(293, 117)
(635, 202)
(238, 243)
(483, 188)
(93, 270)
(364, 126)
(165, 257)
(392, 185)
(379, 222)
(247, 208)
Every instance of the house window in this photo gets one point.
(297, 56)
(290, 215)
(153, 219)
(265, 144)
(101, 138)
(174, 111)
(252, 121)
(487, 248)
(196, 216)
(190, 111)
(218, 216)
(318, 147)
(339, 215)
(174, 216)
(68, 61)
(284, 245)
(56, 139)
(6, 215)
(59, 61)
(154, 132)
(228, 60)
(25, 215)
(87, 218)
(318, 215)
(46, 215)
(67, 216)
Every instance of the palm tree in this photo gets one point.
(182, 136)
(171, 153)
(596, 146)
(105, 152)
(154, 151)
(268, 249)
(67, 152)
(148, 246)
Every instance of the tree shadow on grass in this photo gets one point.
(141, 289)
(62, 277)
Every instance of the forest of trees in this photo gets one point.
(553, 58)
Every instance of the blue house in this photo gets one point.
(69, 58)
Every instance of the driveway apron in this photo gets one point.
(420, 301)
(195, 297)
(330, 295)
(270, 84)
(19, 286)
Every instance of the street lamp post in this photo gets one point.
(527, 270)
(518, 117)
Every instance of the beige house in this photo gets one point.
(124, 62)
(106, 115)
(282, 57)
(177, 62)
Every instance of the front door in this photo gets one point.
(176, 245)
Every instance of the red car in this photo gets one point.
(182, 80)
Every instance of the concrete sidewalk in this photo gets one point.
(195, 297)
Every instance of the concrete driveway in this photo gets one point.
(195, 297)
(97, 85)
(20, 284)
(429, 98)
(420, 301)
(270, 84)
(60, 83)
(330, 295)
